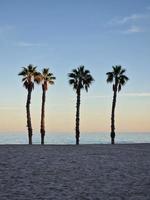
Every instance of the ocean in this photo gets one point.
(68, 138)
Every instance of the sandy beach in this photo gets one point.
(69, 172)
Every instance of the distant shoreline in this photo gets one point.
(66, 139)
(101, 144)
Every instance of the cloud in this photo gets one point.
(28, 44)
(133, 94)
(127, 19)
(6, 28)
(133, 29)
(98, 96)
(142, 94)
(134, 23)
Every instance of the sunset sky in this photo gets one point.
(61, 35)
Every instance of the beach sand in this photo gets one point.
(69, 172)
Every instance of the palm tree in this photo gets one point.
(80, 78)
(45, 78)
(29, 74)
(118, 79)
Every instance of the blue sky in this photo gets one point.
(62, 35)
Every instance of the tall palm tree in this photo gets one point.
(45, 78)
(80, 78)
(30, 75)
(118, 79)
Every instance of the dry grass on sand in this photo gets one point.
(86, 172)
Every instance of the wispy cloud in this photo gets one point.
(127, 19)
(138, 94)
(133, 29)
(97, 96)
(28, 44)
(134, 23)
(133, 94)
(6, 28)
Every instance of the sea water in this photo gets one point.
(69, 138)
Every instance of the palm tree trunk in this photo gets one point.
(113, 116)
(43, 115)
(29, 124)
(78, 117)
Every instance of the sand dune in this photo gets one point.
(86, 172)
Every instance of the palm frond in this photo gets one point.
(122, 81)
(86, 88)
(71, 75)
(51, 82)
(38, 79)
(119, 87)
(116, 70)
(81, 69)
(75, 71)
(117, 75)
(22, 73)
(86, 72)
(46, 78)
(24, 79)
(124, 77)
(29, 73)
(26, 84)
(80, 78)
(72, 81)
(45, 71)
(122, 71)
(110, 77)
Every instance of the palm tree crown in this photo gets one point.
(80, 78)
(46, 78)
(30, 75)
(117, 76)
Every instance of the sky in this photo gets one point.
(62, 35)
